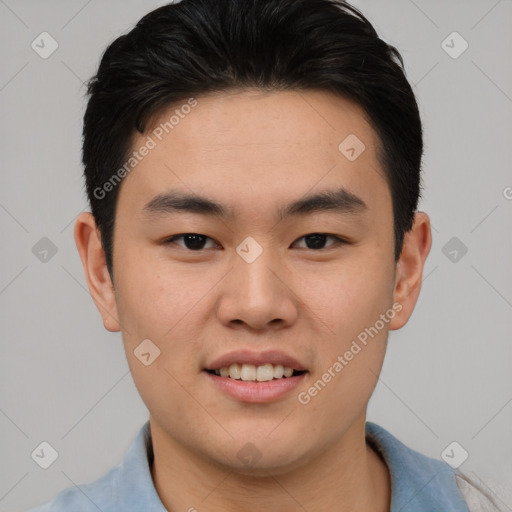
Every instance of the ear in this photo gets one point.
(88, 242)
(409, 269)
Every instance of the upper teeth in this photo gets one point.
(251, 372)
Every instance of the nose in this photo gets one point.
(258, 294)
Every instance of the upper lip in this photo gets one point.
(274, 357)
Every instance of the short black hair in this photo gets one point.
(194, 47)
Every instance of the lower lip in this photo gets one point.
(256, 392)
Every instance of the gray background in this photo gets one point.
(65, 380)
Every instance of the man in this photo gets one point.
(253, 170)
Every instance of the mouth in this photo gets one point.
(252, 377)
(252, 373)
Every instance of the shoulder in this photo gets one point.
(127, 487)
(419, 483)
(90, 497)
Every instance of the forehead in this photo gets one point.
(253, 144)
(243, 120)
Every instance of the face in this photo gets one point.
(292, 267)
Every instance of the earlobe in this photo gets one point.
(88, 242)
(409, 270)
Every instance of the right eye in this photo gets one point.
(192, 241)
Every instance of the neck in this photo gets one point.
(345, 477)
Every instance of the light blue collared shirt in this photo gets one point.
(418, 483)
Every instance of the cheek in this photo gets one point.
(164, 306)
(347, 308)
(348, 367)
(347, 296)
(169, 304)
(156, 295)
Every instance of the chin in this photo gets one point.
(262, 456)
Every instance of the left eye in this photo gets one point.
(196, 242)
(316, 240)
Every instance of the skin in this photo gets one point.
(254, 151)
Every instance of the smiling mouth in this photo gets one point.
(253, 373)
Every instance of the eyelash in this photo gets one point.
(339, 241)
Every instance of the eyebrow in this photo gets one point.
(340, 201)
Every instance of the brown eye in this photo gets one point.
(191, 241)
(316, 241)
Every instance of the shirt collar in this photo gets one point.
(418, 482)
(133, 486)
